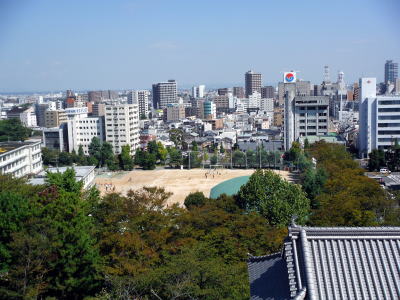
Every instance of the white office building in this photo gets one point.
(82, 131)
(122, 126)
(20, 158)
(379, 124)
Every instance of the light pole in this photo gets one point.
(245, 155)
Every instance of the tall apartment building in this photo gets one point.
(254, 100)
(53, 118)
(198, 91)
(20, 158)
(74, 113)
(238, 91)
(164, 93)
(252, 82)
(303, 88)
(140, 97)
(391, 71)
(267, 92)
(122, 126)
(82, 131)
(379, 123)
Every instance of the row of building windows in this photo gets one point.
(384, 132)
(389, 102)
(389, 117)
(389, 125)
(391, 109)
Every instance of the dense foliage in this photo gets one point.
(13, 130)
(385, 159)
(57, 241)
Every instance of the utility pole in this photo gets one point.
(259, 151)
(245, 155)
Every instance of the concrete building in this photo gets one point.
(164, 93)
(82, 131)
(303, 88)
(223, 91)
(98, 109)
(397, 86)
(20, 158)
(210, 110)
(174, 112)
(84, 174)
(379, 123)
(141, 98)
(252, 82)
(267, 104)
(99, 96)
(254, 100)
(391, 71)
(267, 92)
(304, 115)
(198, 91)
(54, 118)
(238, 91)
(221, 103)
(56, 138)
(122, 126)
(40, 111)
(26, 115)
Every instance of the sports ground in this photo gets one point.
(179, 182)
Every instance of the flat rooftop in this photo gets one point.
(10, 146)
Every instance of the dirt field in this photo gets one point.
(179, 182)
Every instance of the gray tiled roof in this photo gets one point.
(268, 277)
(342, 262)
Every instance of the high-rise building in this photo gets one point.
(141, 98)
(223, 91)
(397, 86)
(267, 92)
(198, 91)
(238, 91)
(26, 115)
(82, 131)
(221, 103)
(379, 124)
(164, 93)
(122, 126)
(252, 82)
(391, 71)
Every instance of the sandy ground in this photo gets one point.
(179, 182)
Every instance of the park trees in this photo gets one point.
(13, 130)
(274, 198)
(126, 158)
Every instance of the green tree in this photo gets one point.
(376, 160)
(95, 150)
(13, 130)
(195, 199)
(239, 159)
(195, 147)
(82, 160)
(162, 152)
(74, 270)
(214, 159)
(65, 159)
(175, 157)
(106, 154)
(176, 136)
(126, 158)
(274, 198)
(49, 157)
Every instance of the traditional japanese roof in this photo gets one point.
(335, 263)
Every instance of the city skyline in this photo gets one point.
(48, 46)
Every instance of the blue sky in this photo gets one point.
(94, 44)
